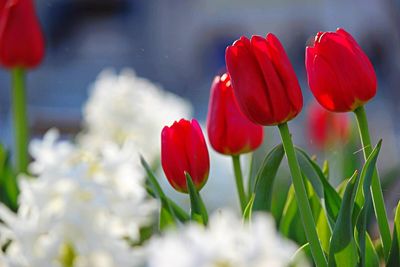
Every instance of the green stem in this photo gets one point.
(239, 181)
(20, 120)
(301, 197)
(376, 189)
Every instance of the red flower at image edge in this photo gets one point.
(183, 149)
(21, 38)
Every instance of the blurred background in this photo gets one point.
(180, 44)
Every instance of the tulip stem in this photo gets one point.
(239, 181)
(20, 120)
(301, 197)
(376, 189)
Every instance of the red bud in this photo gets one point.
(230, 132)
(183, 149)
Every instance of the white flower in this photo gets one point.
(82, 203)
(225, 242)
(125, 107)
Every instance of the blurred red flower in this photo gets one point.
(21, 38)
(326, 129)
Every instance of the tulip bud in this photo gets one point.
(263, 79)
(183, 149)
(325, 128)
(21, 39)
(230, 132)
(340, 75)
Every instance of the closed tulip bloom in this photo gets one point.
(183, 149)
(263, 79)
(230, 132)
(340, 75)
(21, 39)
(325, 128)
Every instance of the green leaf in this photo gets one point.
(290, 224)
(8, 181)
(169, 209)
(325, 169)
(180, 214)
(371, 256)
(262, 184)
(167, 219)
(249, 207)
(321, 221)
(343, 249)
(157, 190)
(198, 209)
(364, 200)
(394, 255)
(300, 254)
(331, 198)
(341, 188)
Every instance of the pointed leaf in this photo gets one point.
(394, 255)
(363, 199)
(152, 178)
(325, 169)
(166, 219)
(331, 198)
(168, 207)
(343, 249)
(290, 224)
(178, 211)
(300, 254)
(262, 184)
(8, 181)
(248, 210)
(371, 256)
(198, 209)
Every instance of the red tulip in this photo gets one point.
(183, 149)
(229, 130)
(340, 75)
(326, 128)
(21, 39)
(263, 79)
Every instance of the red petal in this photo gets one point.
(247, 81)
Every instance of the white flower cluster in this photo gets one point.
(82, 207)
(225, 242)
(126, 107)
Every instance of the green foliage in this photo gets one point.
(343, 249)
(249, 208)
(290, 224)
(364, 200)
(262, 183)
(394, 255)
(170, 212)
(8, 181)
(198, 211)
(331, 198)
